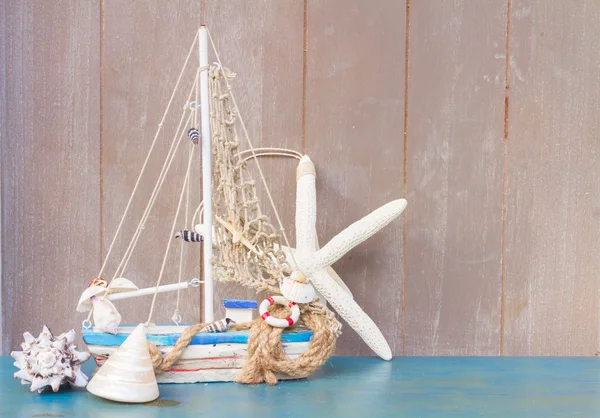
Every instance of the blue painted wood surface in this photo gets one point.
(240, 304)
(354, 387)
(234, 337)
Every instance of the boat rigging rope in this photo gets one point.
(156, 135)
(170, 237)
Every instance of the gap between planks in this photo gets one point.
(101, 162)
(304, 76)
(505, 178)
(405, 172)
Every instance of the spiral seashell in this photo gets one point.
(127, 375)
(189, 236)
(221, 325)
(49, 361)
(194, 135)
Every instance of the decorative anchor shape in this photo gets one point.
(314, 263)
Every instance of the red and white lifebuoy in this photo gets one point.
(279, 322)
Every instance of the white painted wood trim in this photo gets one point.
(214, 375)
(209, 351)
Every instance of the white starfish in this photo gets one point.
(315, 263)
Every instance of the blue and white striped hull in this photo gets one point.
(214, 357)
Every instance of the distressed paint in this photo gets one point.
(351, 80)
(553, 231)
(3, 133)
(455, 178)
(240, 304)
(354, 135)
(169, 339)
(408, 386)
(50, 157)
(195, 352)
(144, 47)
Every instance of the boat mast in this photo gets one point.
(206, 176)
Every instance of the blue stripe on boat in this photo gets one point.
(235, 337)
(240, 304)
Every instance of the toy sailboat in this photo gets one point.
(240, 245)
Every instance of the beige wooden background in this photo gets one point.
(483, 114)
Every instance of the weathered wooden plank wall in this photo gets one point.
(144, 48)
(496, 253)
(553, 247)
(355, 135)
(455, 177)
(50, 149)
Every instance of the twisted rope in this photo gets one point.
(266, 357)
(162, 364)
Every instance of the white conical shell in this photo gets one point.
(106, 316)
(127, 375)
(299, 292)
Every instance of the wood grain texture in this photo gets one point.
(3, 134)
(68, 161)
(552, 286)
(50, 153)
(354, 134)
(455, 177)
(145, 46)
(262, 42)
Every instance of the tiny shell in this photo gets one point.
(222, 325)
(120, 284)
(297, 289)
(106, 316)
(127, 375)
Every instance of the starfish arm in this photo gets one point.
(348, 309)
(359, 231)
(288, 255)
(306, 206)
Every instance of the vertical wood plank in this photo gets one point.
(145, 46)
(354, 134)
(262, 42)
(50, 162)
(3, 133)
(553, 241)
(455, 177)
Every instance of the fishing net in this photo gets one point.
(247, 246)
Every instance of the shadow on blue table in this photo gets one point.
(353, 387)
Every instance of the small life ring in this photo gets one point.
(279, 322)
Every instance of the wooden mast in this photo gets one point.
(206, 176)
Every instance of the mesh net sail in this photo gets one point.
(247, 246)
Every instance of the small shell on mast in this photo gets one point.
(98, 286)
(194, 135)
(221, 325)
(106, 316)
(189, 236)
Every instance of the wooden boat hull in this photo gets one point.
(216, 357)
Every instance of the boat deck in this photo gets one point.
(167, 335)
